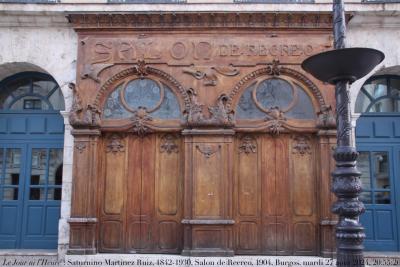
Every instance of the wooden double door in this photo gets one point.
(272, 193)
(141, 194)
(275, 193)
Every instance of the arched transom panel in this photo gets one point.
(277, 95)
(150, 95)
(266, 96)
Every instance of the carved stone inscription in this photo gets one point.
(185, 49)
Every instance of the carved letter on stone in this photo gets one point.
(115, 144)
(301, 145)
(168, 144)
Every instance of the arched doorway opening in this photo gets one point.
(31, 157)
(378, 141)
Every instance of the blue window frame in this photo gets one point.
(30, 91)
(379, 94)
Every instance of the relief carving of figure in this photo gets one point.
(82, 116)
(220, 115)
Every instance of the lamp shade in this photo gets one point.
(348, 64)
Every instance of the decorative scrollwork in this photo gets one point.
(209, 76)
(248, 145)
(115, 144)
(207, 150)
(301, 145)
(168, 144)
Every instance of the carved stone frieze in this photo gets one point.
(83, 116)
(140, 122)
(207, 150)
(115, 144)
(209, 76)
(248, 145)
(301, 145)
(199, 20)
(168, 144)
(219, 114)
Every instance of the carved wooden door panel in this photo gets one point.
(142, 204)
(275, 195)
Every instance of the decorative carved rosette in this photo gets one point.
(80, 146)
(248, 145)
(115, 144)
(168, 144)
(140, 122)
(301, 145)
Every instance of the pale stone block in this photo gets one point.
(68, 155)
(66, 191)
(67, 173)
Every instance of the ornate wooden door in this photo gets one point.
(275, 195)
(142, 205)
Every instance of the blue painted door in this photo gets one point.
(31, 160)
(378, 141)
(30, 195)
(379, 219)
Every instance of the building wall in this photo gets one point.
(374, 30)
(44, 43)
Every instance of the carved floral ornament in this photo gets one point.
(115, 144)
(208, 150)
(169, 144)
(301, 145)
(248, 145)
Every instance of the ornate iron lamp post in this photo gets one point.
(342, 67)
